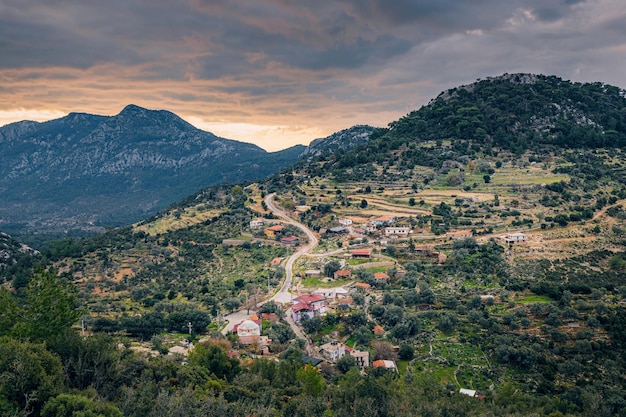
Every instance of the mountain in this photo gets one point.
(339, 141)
(514, 112)
(11, 250)
(84, 171)
(522, 303)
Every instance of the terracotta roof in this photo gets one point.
(275, 228)
(311, 298)
(269, 317)
(362, 252)
(383, 363)
(381, 275)
(363, 285)
(343, 273)
(300, 307)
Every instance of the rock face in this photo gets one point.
(11, 249)
(343, 140)
(85, 171)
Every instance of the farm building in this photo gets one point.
(290, 240)
(271, 231)
(400, 231)
(361, 253)
(342, 274)
(513, 238)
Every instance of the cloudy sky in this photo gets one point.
(281, 72)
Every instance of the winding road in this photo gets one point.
(284, 294)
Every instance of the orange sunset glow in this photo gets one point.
(278, 74)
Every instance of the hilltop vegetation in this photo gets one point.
(536, 328)
(515, 113)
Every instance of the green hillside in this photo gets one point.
(491, 225)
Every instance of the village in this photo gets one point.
(351, 278)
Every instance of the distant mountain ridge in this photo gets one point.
(86, 171)
(83, 171)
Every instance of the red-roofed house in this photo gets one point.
(361, 253)
(381, 363)
(342, 274)
(271, 231)
(308, 305)
(363, 285)
(271, 317)
(379, 221)
(290, 240)
(381, 276)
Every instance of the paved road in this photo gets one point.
(234, 318)
(284, 295)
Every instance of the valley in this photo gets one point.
(456, 254)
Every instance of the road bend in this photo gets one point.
(284, 294)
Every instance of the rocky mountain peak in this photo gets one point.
(84, 170)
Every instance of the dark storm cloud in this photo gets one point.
(289, 64)
(312, 35)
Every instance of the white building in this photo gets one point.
(362, 358)
(469, 392)
(513, 238)
(332, 293)
(333, 350)
(248, 332)
(345, 222)
(397, 231)
(256, 224)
